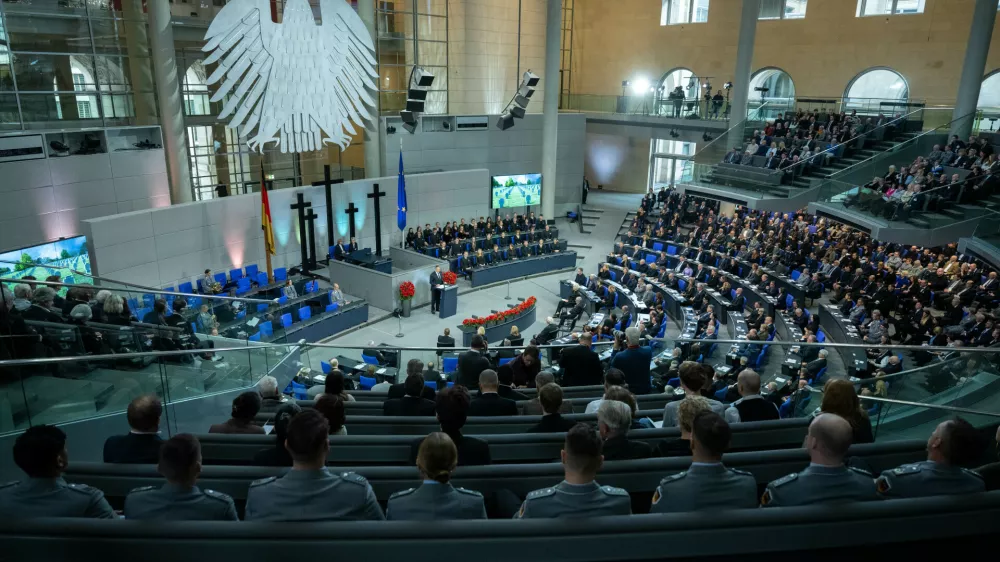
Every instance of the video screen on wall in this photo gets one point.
(516, 191)
(63, 258)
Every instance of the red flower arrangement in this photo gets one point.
(450, 278)
(503, 315)
(407, 290)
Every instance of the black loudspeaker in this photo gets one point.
(505, 121)
(416, 106)
(415, 94)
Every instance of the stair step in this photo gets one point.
(918, 222)
(591, 209)
(590, 217)
(590, 224)
(584, 246)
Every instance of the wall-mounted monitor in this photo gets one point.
(516, 191)
(63, 258)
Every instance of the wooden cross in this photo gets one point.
(301, 205)
(327, 183)
(310, 217)
(376, 195)
(351, 209)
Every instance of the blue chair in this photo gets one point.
(658, 246)
(194, 302)
(142, 312)
(449, 364)
(133, 304)
(236, 274)
(286, 319)
(327, 368)
(282, 299)
(505, 360)
(194, 327)
(252, 271)
(671, 250)
(220, 278)
(650, 258)
(186, 287)
(262, 307)
(674, 382)
(788, 301)
(243, 286)
(262, 279)
(795, 274)
(820, 336)
(732, 294)
(711, 351)
(663, 329)
(618, 325)
(681, 284)
(255, 337)
(305, 313)
(280, 274)
(297, 390)
(818, 379)
(614, 275)
(312, 286)
(332, 307)
(720, 394)
(368, 359)
(267, 329)
(367, 382)
(148, 300)
(242, 314)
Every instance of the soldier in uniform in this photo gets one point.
(707, 484)
(179, 499)
(310, 492)
(436, 498)
(41, 453)
(953, 445)
(578, 495)
(827, 479)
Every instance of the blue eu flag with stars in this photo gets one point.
(401, 195)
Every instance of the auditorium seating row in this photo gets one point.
(896, 530)
(373, 450)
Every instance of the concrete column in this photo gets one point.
(744, 60)
(980, 34)
(137, 43)
(168, 98)
(550, 107)
(373, 149)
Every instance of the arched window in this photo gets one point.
(873, 86)
(989, 93)
(83, 81)
(679, 77)
(779, 95)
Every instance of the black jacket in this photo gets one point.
(620, 448)
(133, 448)
(492, 404)
(509, 393)
(398, 390)
(552, 423)
(445, 341)
(547, 334)
(471, 451)
(470, 365)
(581, 366)
(408, 406)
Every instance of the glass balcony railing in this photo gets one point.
(647, 105)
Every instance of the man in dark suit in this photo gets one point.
(815, 366)
(412, 404)
(740, 302)
(581, 365)
(452, 405)
(142, 444)
(505, 376)
(581, 279)
(548, 333)
(471, 363)
(339, 251)
(353, 246)
(436, 279)
(445, 341)
(489, 402)
(550, 397)
(614, 419)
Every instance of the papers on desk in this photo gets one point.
(361, 367)
(253, 322)
(439, 286)
(644, 318)
(380, 371)
(319, 378)
(268, 428)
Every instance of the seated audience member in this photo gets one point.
(41, 453)
(525, 366)
(93, 341)
(612, 378)
(505, 376)
(277, 455)
(578, 495)
(614, 419)
(751, 406)
(685, 412)
(436, 499)
(142, 444)
(332, 408)
(548, 333)
(489, 402)
(692, 380)
(431, 374)
(335, 384)
(288, 291)
(533, 407)
(707, 484)
(115, 312)
(413, 367)
(245, 408)
(270, 396)
(42, 306)
(621, 394)
(827, 480)
(445, 341)
(840, 398)
(309, 491)
(550, 397)
(179, 499)
(951, 449)
(452, 405)
(412, 404)
(581, 365)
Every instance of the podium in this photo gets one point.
(449, 301)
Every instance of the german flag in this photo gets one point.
(265, 219)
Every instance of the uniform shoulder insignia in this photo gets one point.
(740, 472)
(354, 477)
(82, 488)
(217, 495)
(612, 491)
(673, 477)
(544, 492)
(9, 484)
(972, 473)
(906, 469)
(785, 480)
(263, 481)
(402, 493)
(142, 489)
(861, 471)
(468, 492)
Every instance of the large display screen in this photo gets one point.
(517, 191)
(63, 258)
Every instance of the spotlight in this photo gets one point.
(423, 78)
(390, 130)
(626, 84)
(706, 137)
(416, 96)
(640, 85)
(530, 79)
(517, 106)
(728, 85)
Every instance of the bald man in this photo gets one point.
(826, 480)
(751, 407)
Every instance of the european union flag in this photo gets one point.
(401, 195)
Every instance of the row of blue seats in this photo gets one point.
(266, 329)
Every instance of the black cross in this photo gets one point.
(376, 195)
(301, 205)
(310, 217)
(351, 209)
(326, 183)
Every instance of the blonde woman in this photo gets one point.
(436, 498)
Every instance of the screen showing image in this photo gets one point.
(517, 191)
(63, 258)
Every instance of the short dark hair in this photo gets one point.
(712, 432)
(334, 382)
(550, 397)
(961, 443)
(583, 448)
(614, 377)
(452, 407)
(144, 413)
(178, 456)
(37, 450)
(477, 342)
(691, 375)
(307, 432)
(531, 351)
(505, 374)
(160, 305)
(414, 366)
(414, 385)
(246, 405)
(332, 408)
(179, 304)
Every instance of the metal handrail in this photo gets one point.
(153, 291)
(726, 134)
(957, 409)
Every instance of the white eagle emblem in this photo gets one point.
(298, 83)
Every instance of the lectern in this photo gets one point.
(449, 301)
